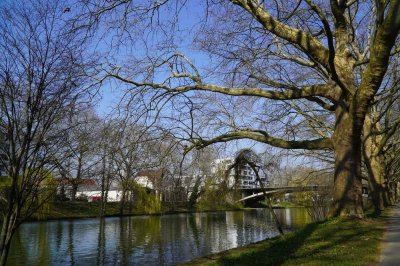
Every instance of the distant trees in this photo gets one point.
(107, 144)
(41, 77)
(130, 156)
(77, 156)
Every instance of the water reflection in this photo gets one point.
(144, 240)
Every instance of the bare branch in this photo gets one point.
(264, 137)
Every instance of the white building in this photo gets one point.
(246, 176)
(92, 191)
(150, 179)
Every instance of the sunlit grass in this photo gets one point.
(333, 242)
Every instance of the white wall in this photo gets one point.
(113, 195)
(144, 182)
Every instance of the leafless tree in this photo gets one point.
(77, 159)
(41, 71)
(107, 146)
(327, 57)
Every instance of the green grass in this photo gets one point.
(78, 209)
(82, 209)
(333, 242)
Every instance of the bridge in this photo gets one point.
(257, 194)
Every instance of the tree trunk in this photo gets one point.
(105, 200)
(378, 182)
(347, 149)
(74, 190)
(392, 192)
(374, 163)
(103, 188)
(376, 179)
(395, 192)
(4, 251)
(122, 202)
(7, 231)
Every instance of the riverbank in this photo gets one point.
(81, 209)
(334, 242)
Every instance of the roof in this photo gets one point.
(154, 176)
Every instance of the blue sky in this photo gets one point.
(188, 25)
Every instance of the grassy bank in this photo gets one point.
(69, 210)
(81, 209)
(333, 242)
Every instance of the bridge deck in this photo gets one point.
(280, 190)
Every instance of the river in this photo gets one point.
(145, 240)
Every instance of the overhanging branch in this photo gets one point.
(291, 93)
(264, 137)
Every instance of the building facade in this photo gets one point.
(245, 178)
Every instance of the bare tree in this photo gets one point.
(134, 149)
(107, 147)
(77, 159)
(333, 56)
(40, 74)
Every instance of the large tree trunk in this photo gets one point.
(347, 150)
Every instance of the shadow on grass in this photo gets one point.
(335, 242)
(273, 254)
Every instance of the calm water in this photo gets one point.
(144, 240)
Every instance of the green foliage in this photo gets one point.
(39, 195)
(45, 193)
(217, 197)
(195, 194)
(144, 201)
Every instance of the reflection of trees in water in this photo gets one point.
(216, 231)
(32, 250)
(194, 230)
(70, 249)
(293, 218)
(256, 225)
(137, 235)
(101, 246)
(59, 236)
(43, 245)
(178, 237)
(124, 242)
(19, 254)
